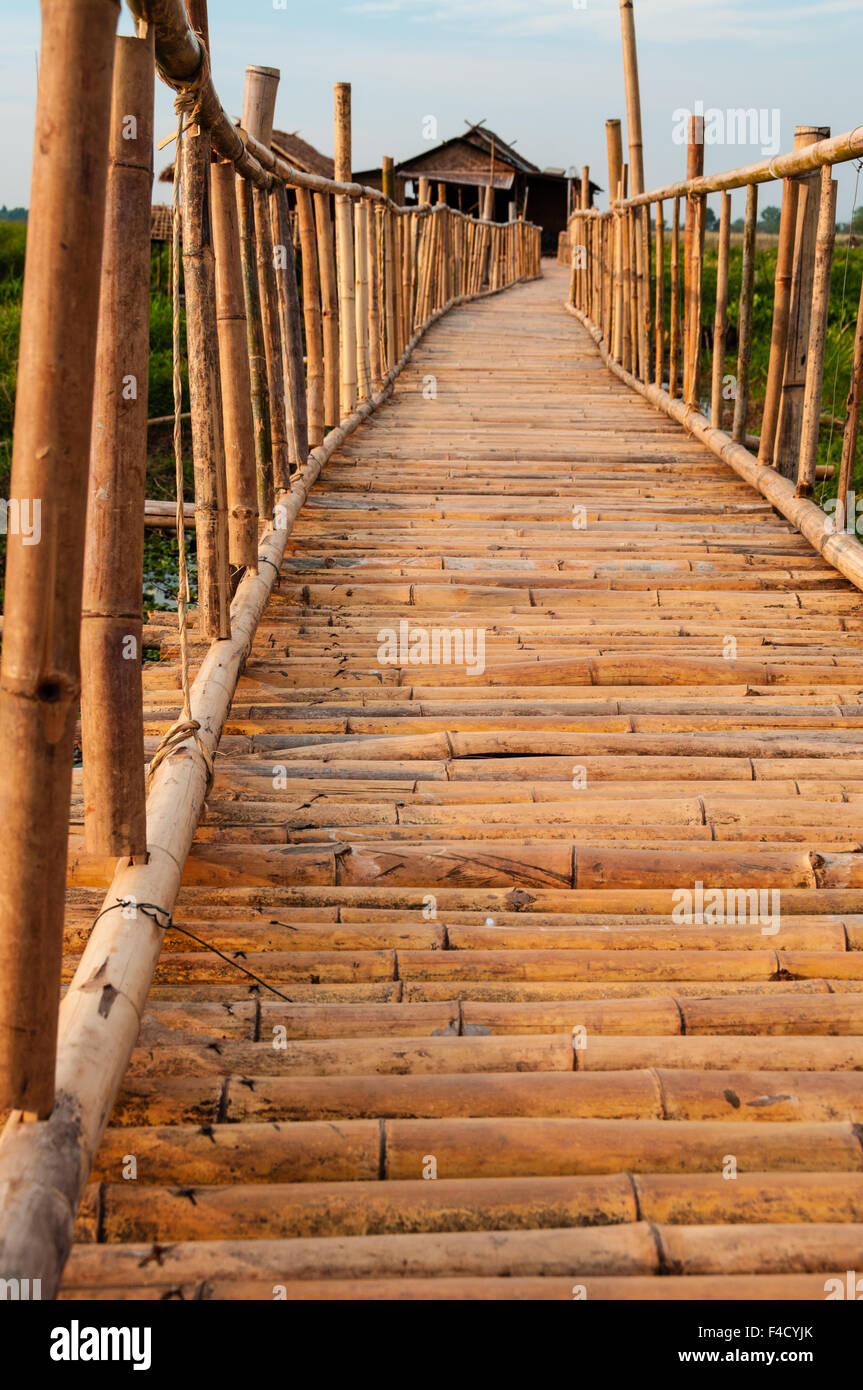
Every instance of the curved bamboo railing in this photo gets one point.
(617, 290)
(284, 363)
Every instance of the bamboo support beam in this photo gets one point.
(312, 317)
(813, 391)
(786, 449)
(633, 98)
(260, 393)
(693, 246)
(659, 350)
(112, 717)
(205, 386)
(40, 672)
(345, 254)
(361, 254)
(290, 323)
(388, 182)
(720, 320)
(744, 316)
(779, 330)
(235, 371)
(329, 308)
(674, 306)
(376, 370)
(846, 505)
(259, 100)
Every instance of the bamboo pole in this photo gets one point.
(259, 100)
(633, 99)
(376, 370)
(693, 244)
(40, 673)
(813, 392)
(329, 308)
(423, 192)
(361, 253)
(846, 502)
(408, 223)
(256, 353)
(235, 372)
(389, 289)
(112, 716)
(290, 322)
(345, 254)
(205, 390)
(786, 449)
(779, 330)
(674, 307)
(744, 316)
(585, 186)
(398, 253)
(312, 316)
(659, 350)
(720, 320)
(388, 182)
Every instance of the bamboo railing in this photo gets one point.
(304, 298)
(617, 290)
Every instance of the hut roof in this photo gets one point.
(302, 155)
(467, 158)
(291, 147)
(161, 222)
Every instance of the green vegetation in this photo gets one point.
(160, 547)
(844, 299)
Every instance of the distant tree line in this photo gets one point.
(13, 214)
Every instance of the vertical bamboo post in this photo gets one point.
(374, 320)
(40, 673)
(633, 98)
(389, 289)
(615, 171)
(345, 253)
(329, 308)
(408, 224)
(235, 373)
(205, 387)
(659, 350)
(290, 322)
(388, 181)
(312, 316)
(674, 306)
(693, 245)
(744, 316)
(361, 251)
(844, 495)
(398, 270)
(112, 715)
(255, 349)
(813, 392)
(259, 102)
(614, 146)
(786, 450)
(423, 192)
(779, 329)
(585, 187)
(720, 318)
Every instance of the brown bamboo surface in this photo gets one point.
(462, 885)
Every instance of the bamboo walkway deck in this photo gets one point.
(287, 1146)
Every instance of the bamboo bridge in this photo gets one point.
(482, 918)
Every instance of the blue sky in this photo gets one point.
(546, 73)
